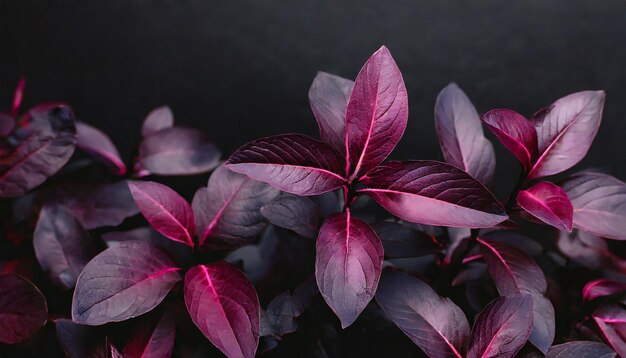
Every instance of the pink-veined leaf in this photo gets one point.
(296, 213)
(433, 193)
(611, 320)
(549, 203)
(602, 287)
(581, 349)
(23, 309)
(224, 306)
(153, 337)
(99, 145)
(461, 136)
(159, 118)
(293, 163)
(377, 114)
(434, 323)
(18, 96)
(165, 210)
(515, 132)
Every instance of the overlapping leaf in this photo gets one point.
(154, 337)
(159, 118)
(611, 320)
(98, 144)
(23, 309)
(403, 241)
(548, 203)
(515, 132)
(581, 349)
(296, 213)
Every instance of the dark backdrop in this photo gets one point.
(241, 69)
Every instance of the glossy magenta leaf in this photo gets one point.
(611, 320)
(581, 349)
(565, 131)
(433, 193)
(502, 327)
(348, 264)
(123, 282)
(434, 323)
(159, 118)
(99, 145)
(329, 96)
(377, 114)
(62, 246)
(224, 306)
(403, 241)
(296, 213)
(23, 309)
(153, 337)
(165, 210)
(227, 211)
(46, 141)
(549, 203)
(461, 136)
(293, 163)
(515, 132)
(602, 287)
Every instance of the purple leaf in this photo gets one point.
(153, 338)
(565, 131)
(514, 272)
(62, 246)
(224, 306)
(123, 282)
(502, 328)
(588, 250)
(377, 114)
(177, 151)
(548, 203)
(159, 118)
(611, 320)
(434, 323)
(515, 132)
(228, 209)
(281, 314)
(599, 204)
(7, 124)
(581, 349)
(293, 163)
(329, 96)
(47, 138)
(165, 210)
(180, 251)
(296, 213)
(461, 136)
(601, 288)
(23, 309)
(433, 193)
(348, 264)
(80, 341)
(98, 144)
(403, 241)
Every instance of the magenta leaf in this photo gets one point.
(348, 263)
(153, 337)
(62, 246)
(165, 210)
(433, 193)
(23, 309)
(228, 209)
(98, 144)
(548, 203)
(177, 151)
(224, 306)
(611, 320)
(403, 241)
(581, 349)
(123, 282)
(461, 136)
(296, 213)
(377, 114)
(46, 141)
(159, 118)
(515, 132)
(599, 204)
(78, 340)
(434, 323)
(602, 287)
(18, 96)
(329, 96)
(502, 327)
(565, 131)
(293, 163)
(514, 272)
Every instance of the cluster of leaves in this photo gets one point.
(459, 272)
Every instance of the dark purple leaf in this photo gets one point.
(224, 306)
(159, 118)
(258, 260)
(402, 241)
(180, 251)
(228, 209)
(7, 124)
(587, 249)
(329, 96)
(433, 193)
(281, 314)
(502, 328)
(23, 309)
(153, 338)
(348, 263)
(296, 213)
(80, 341)
(62, 246)
(123, 282)
(548, 203)
(611, 320)
(46, 141)
(434, 323)
(177, 151)
(601, 288)
(98, 144)
(461, 136)
(377, 114)
(515, 132)
(599, 202)
(565, 131)
(581, 349)
(293, 163)
(165, 210)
